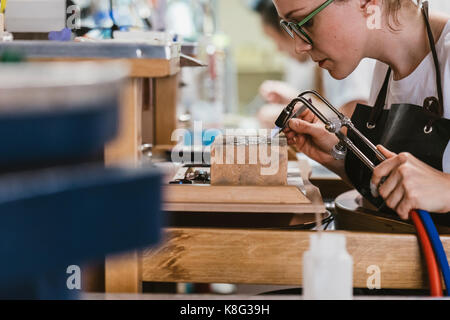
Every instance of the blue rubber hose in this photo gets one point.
(437, 247)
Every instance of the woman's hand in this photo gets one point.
(277, 92)
(411, 184)
(308, 134)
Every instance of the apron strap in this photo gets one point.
(381, 99)
(379, 104)
(440, 110)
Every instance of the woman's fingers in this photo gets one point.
(395, 190)
(404, 207)
(303, 127)
(395, 197)
(298, 141)
(306, 115)
(290, 134)
(387, 166)
(389, 185)
(309, 117)
(388, 154)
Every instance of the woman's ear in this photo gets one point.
(367, 6)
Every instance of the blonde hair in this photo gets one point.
(393, 6)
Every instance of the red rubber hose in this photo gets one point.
(430, 259)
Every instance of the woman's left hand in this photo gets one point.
(411, 184)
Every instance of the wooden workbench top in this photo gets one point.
(145, 60)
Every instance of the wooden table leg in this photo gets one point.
(126, 146)
(156, 113)
(165, 109)
(122, 272)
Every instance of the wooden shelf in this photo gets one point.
(139, 68)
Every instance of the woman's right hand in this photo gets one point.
(309, 135)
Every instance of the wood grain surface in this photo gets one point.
(123, 273)
(140, 68)
(126, 146)
(275, 257)
(235, 194)
(164, 117)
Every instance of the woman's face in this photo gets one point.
(338, 32)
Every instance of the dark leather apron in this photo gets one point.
(419, 130)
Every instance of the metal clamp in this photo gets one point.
(333, 125)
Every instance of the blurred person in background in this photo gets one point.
(303, 74)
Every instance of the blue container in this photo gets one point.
(52, 219)
(53, 114)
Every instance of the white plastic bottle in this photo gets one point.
(327, 268)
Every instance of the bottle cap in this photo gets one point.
(327, 243)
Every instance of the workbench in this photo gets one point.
(212, 247)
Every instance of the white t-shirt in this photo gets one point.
(421, 83)
(339, 92)
(440, 6)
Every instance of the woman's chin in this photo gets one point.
(337, 74)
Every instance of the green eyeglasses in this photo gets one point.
(291, 27)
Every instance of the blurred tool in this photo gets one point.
(193, 174)
(102, 19)
(114, 27)
(4, 36)
(3, 5)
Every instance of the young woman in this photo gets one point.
(410, 99)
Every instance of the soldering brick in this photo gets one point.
(249, 160)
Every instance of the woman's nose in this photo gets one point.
(301, 46)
